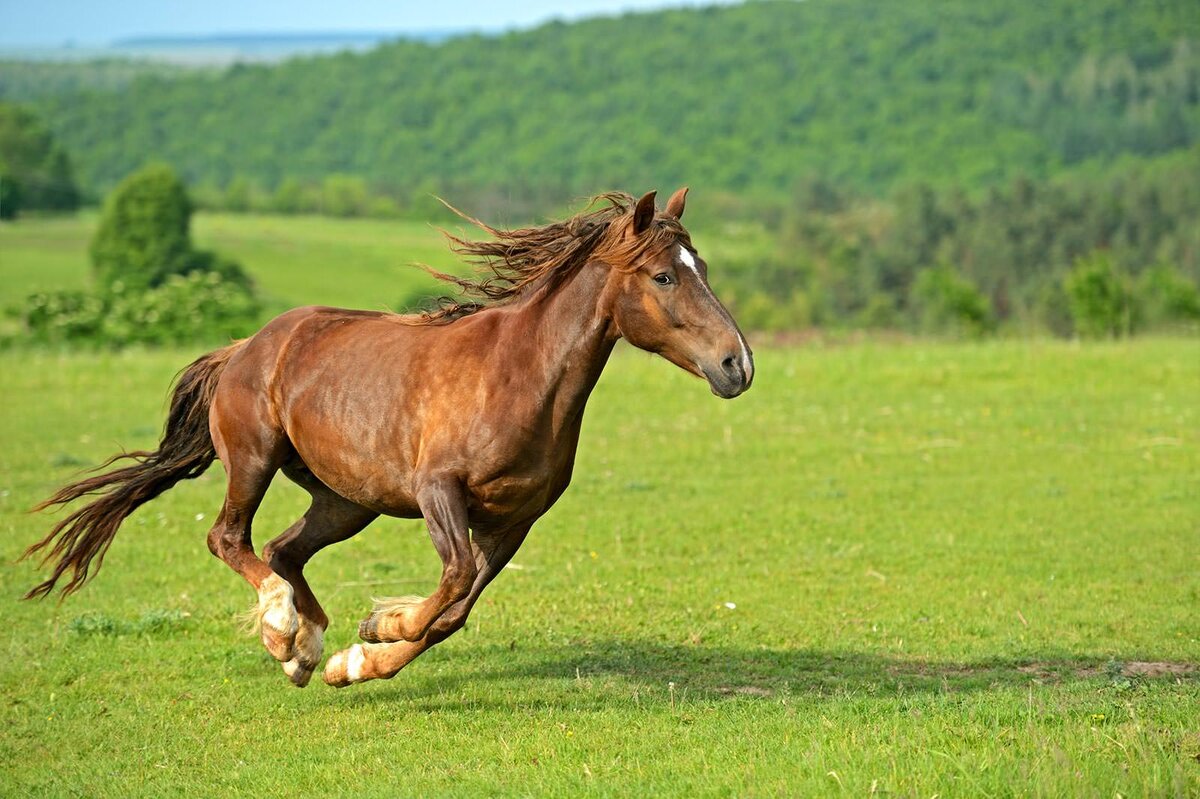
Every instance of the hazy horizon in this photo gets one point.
(61, 23)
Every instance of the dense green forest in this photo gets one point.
(1102, 255)
(25, 80)
(748, 98)
(940, 167)
(35, 171)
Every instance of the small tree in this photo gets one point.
(144, 235)
(1165, 297)
(154, 287)
(344, 195)
(946, 302)
(10, 195)
(1099, 298)
(35, 161)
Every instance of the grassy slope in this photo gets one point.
(939, 556)
(357, 263)
(295, 260)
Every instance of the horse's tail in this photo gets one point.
(185, 451)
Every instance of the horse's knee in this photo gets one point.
(459, 577)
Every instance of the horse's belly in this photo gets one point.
(508, 498)
(376, 478)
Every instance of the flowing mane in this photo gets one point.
(509, 264)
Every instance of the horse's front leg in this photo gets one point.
(371, 661)
(444, 506)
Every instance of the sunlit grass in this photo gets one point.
(916, 570)
(363, 263)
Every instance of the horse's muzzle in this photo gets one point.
(732, 376)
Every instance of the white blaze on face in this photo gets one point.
(689, 261)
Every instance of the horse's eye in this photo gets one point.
(663, 279)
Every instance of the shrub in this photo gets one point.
(947, 303)
(344, 195)
(10, 196)
(1098, 297)
(63, 316)
(1051, 309)
(240, 195)
(143, 236)
(201, 306)
(879, 312)
(154, 287)
(1164, 297)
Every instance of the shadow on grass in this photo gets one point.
(717, 672)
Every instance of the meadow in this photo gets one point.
(300, 260)
(907, 568)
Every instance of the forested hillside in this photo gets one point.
(30, 80)
(866, 94)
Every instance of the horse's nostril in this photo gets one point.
(731, 365)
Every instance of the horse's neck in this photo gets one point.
(576, 338)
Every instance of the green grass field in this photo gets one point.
(913, 570)
(356, 263)
(294, 260)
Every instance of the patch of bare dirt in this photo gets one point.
(1131, 668)
(745, 690)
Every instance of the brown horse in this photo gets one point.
(468, 417)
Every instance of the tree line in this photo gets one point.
(35, 170)
(748, 99)
(1088, 255)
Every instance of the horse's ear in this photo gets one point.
(643, 213)
(675, 204)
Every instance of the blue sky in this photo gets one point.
(25, 23)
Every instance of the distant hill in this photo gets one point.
(751, 98)
(220, 49)
(262, 47)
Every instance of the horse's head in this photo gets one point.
(662, 302)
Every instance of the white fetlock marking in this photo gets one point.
(275, 605)
(354, 663)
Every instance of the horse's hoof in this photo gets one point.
(368, 629)
(307, 649)
(345, 667)
(385, 628)
(298, 673)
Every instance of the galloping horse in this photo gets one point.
(468, 416)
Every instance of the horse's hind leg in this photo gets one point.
(251, 450)
(330, 519)
(230, 540)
